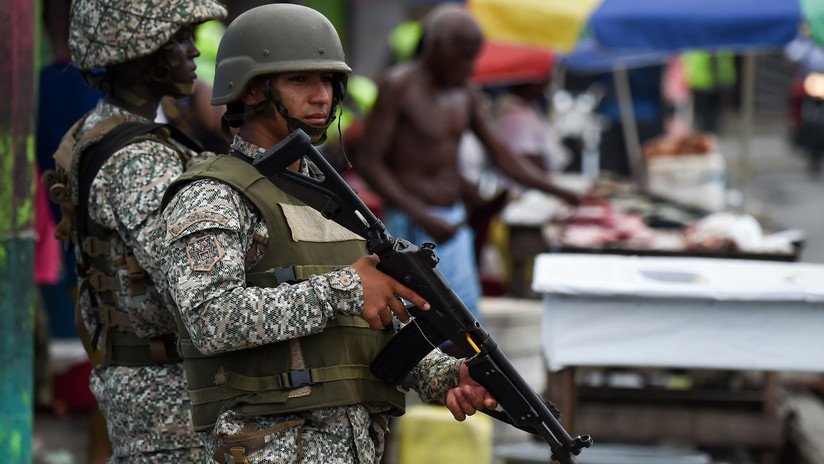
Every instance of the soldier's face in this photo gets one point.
(307, 96)
(180, 54)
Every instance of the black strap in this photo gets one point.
(92, 159)
(183, 139)
(128, 349)
(236, 154)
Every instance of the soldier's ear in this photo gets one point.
(250, 96)
(254, 92)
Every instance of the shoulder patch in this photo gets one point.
(205, 218)
(204, 252)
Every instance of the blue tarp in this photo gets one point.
(589, 58)
(673, 25)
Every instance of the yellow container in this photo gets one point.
(429, 434)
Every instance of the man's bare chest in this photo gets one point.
(439, 116)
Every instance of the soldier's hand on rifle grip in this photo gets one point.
(468, 396)
(382, 293)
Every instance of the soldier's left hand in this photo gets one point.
(468, 396)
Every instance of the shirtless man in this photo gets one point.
(409, 153)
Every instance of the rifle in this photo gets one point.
(414, 266)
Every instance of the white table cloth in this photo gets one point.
(609, 310)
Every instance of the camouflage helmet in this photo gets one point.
(275, 38)
(107, 32)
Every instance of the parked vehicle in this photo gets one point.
(809, 131)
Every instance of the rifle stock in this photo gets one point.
(415, 267)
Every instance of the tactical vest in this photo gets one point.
(103, 270)
(321, 370)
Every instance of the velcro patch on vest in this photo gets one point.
(63, 157)
(205, 218)
(308, 225)
(204, 253)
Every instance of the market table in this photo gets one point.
(678, 313)
(631, 223)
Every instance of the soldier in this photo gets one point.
(278, 328)
(113, 166)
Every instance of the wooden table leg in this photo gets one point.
(524, 244)
(771, 392)
(567, 396)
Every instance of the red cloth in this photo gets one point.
(71, 389)
(502, 63)
(46, 248)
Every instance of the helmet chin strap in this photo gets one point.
(236, 113)
(185, 89)
(294, 123)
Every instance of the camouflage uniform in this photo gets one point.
(147, 409)
(222, 314)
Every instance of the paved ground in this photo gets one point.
(780, 186)
(60, 440)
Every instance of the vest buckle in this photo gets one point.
(295, 378)
(92, 246)
(236, 455)
(285, 274)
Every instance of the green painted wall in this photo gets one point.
(16, 346)
(17, 89)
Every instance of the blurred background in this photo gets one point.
(698, 124)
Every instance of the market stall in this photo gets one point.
(619, 334)
(631, 222)
(651, 26)
(620, 219)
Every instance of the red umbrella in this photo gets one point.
(499, 63)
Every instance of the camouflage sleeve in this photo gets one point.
(204, 263)
(435, 375)
(126, 196)
(197, 157)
